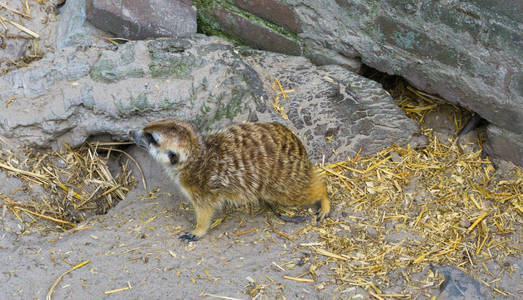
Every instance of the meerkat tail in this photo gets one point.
(287, 219)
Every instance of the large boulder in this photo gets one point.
(143, 19)
(468, 52)
(74, 94)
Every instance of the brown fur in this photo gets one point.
(241, 164)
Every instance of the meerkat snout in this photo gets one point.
(139, 139)
(239, 165)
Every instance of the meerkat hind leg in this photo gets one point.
(203, 222)
(317, 193)
(324, 210)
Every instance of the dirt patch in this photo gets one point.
(27, 31)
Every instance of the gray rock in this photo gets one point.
(468, 52)
(115, 66)
(336, 112)
(16, 44)
(254, 33)
(504, 144)
(73, 30)
(323, 56)
(139, 20)
(273, 10)
(459, 285)
(74, 94)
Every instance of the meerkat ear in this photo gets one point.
(193, 127)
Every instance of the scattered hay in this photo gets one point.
(406, 210)
(276, 105)
(78, 183)
(417, 104)
(51, 290)
(409, 208)
(128, 287)
(12, 26)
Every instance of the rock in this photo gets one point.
(115, 66)
(468, 52)
(395, 157)
(255, 34)
(73, 30)
(139, 20)
(322, 56)
(335, 111)
(272, 10)
(72, 95)
(459, 285)
(418, 141)
(504, 144)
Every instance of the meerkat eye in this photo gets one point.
(172, 157)
(150, 139)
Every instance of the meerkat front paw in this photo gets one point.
(189, 237)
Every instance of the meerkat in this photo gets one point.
(241, 164)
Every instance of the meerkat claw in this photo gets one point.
(189, 237)
(320, 216)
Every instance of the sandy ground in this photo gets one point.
(133, 252)
(135, 245)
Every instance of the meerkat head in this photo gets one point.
(170, 142)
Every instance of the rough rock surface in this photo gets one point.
(275, 11)
(467, 52)
(143, 19)
(458, 285)
(255, 34)
(504, 144)
(71, 95)
(74, 30)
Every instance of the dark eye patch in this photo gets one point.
(173, 157)
(150, 139)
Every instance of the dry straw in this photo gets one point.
(410, 209)
(12, 26)
(78, 184)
